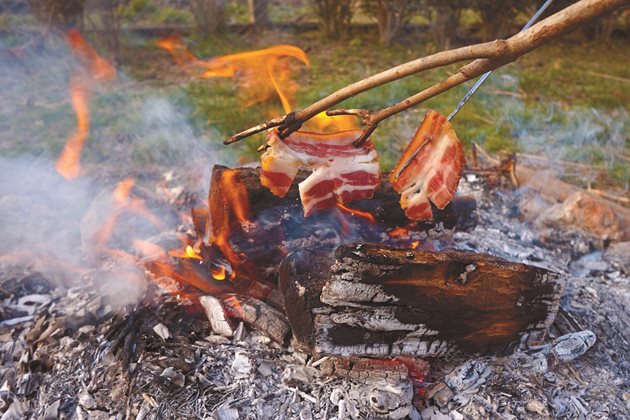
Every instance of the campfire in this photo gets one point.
(315, 283)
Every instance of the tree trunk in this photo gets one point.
(334, 17)
(210, 16)
(258, 12)
(390, 18)
(444, 26)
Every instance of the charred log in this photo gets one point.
(258, 229)
(377, 300)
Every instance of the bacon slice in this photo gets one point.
(430, 168)
(341, 172)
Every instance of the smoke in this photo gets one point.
(574, 140)
(142, 132)
(40, 210)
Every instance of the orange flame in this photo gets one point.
(191, 253)
(415, 244)
(358, 213)
(122, 202)
(327, 124)
(219, 273)
(68, 163)
(261, 74)
(398, 232)
(229, 192)
(95, 67)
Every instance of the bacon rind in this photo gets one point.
(341, 172)
(430, 168)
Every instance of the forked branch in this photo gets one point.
(487, 56)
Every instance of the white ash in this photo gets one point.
(72, 353)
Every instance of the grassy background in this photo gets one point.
(568, 88)
(569, 100)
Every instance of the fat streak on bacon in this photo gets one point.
(430, 168)
(341, 172)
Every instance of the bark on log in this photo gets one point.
(258, 315)
(382, 301)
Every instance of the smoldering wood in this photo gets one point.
(367, 369)
(380, 301)
(459, 214)
(258, 315)
(592, 213)
(278, 225)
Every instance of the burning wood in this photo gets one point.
(245, 216)
(380, 301)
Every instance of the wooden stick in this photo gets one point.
(487, 56)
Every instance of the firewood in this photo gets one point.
(376, 300)
(259, 315)
(260, 228)
(384, 205)
(597, 215)
(365, 369)
(301, 279)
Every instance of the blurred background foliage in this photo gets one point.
(574, 90)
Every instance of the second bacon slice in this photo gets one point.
(341, 172)
(430, 168)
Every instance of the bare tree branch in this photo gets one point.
(487, 56)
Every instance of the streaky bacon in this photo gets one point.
(430, 168)
(341, 172)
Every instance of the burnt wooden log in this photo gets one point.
(384, 205)
(258, 315)
(258, 229)
(376, 300)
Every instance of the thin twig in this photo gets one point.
(487, 56)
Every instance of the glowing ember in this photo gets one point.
(219, 273)
(358, 213)
(398, 232)
(261, 74)
(191, 253)
(95, 67)
(415, 244)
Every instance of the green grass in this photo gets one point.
(568, 100)
(518, 103)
